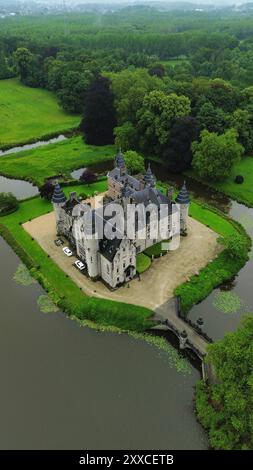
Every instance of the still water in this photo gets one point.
(67, 387)
(20, 189)
(40, 143)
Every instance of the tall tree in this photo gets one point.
(23, 59)
(215, 154)
(225, 408)
(178, 154)
(99, 113)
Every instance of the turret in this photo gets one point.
(149, 178)
(59, 200)
(183, 199)
(91, 244)
(120, 163)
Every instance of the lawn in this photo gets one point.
(63, 291)
(28, 114)
(143, 262)
(60, 158)
(241, 192)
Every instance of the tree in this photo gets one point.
(241, 120)
(134, 162)
(158, 70)
(215, 154)
(47, 190)
(223, 95)
(125, 136)
(235, 246)
(73, 91)
(23, 59)
(178, 154)
(8, 203)
(88, 177)
(99, 113)
(156, 117)
(225, 408)
(211, 118)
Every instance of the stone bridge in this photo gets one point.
(167, 317)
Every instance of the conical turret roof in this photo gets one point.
(119, 160)
(58, 196)
(183, 195)
(149, 177)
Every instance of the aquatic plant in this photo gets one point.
(46, 305)
(227, 302)
(22, 276)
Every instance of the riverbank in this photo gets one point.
(242, 193)
(55, 159)
(221, 269)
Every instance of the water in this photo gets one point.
(40, 143)
(99, 168)
(66, 387)
(21, 189)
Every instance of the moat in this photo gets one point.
(69, 387)
(65, 368)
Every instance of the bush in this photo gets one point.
(143, 263)
(8, 203)
(239, 179)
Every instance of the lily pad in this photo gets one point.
(46, 305)
(227, 302)
(22, 276)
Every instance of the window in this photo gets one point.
(130, 261)
(124, 265)
(108, 268)
(117, 279)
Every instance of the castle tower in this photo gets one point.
(120, 163)
(91, 245)
(149, 178)
(183, 199)
(58, 200)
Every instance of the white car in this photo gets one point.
(79, 265)
(67, 251)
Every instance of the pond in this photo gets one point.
(21, 189)
(69, 387)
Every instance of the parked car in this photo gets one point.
(58, 242)
(67, 251)
(79, 265)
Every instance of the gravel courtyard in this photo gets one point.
(157, 284)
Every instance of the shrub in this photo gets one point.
(8, 203)
(239, 179)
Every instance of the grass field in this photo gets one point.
(28, 114)
(61, 158)
(241, 192)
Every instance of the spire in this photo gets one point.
(183, 195)
(149, 177)
(119, 160)
(58, 196)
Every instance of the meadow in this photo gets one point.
(29, 114)
(54, 159)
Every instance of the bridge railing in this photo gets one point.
(191, 323)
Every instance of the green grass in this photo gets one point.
(241, 192)
(155, 250)
(60, 158)
(61, 289)
(222, 268)
(143, 263)
(28, 114)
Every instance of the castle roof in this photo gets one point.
(183, 195)
(149, 177)
(119, 160)
(58, 196)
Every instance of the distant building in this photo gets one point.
(114, 259)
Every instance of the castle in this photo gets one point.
(113, 259)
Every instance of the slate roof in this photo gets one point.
(124, 179)
(119, 160)
(58, 196)
(183, 196)
(149, 177)
(108, 248)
